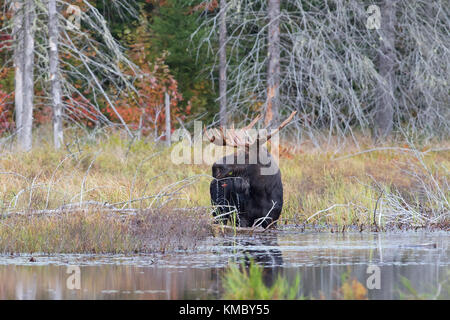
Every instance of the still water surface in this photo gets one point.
(320, 258)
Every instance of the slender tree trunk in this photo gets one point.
(141, 122)
(18, 62)
(273, 71)
(223, 63)
(57, 107)
(384, 117)
(167, 112)
(25, 134)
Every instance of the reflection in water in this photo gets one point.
(320, 258)
(105, 282)
(261, 250)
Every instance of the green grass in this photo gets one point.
(248, 282)
(241, 283)
(408, 292)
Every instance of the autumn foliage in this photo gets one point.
(5, 111)
(162, 65)
(144, 110)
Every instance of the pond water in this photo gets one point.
(320, 258)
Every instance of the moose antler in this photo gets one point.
(240, 137)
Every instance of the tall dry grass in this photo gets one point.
(97, 231)
(365, 186)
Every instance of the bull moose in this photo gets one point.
(242, 190)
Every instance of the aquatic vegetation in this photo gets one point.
(241, 283)
(351, 288)
(442, 291)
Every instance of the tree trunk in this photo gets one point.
(167, 112)
(25, 134)
(53, 30)
(384, 117)
(18, 62)
(273, 71)
(141, 122)
(223, 63)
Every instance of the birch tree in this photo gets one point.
(167, 118)
(18, 36)
(76, 87)
(56, 94)
(26, 86)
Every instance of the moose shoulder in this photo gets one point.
(247, 184)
